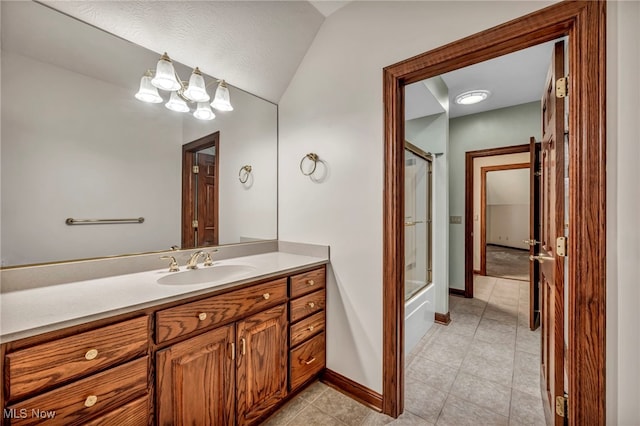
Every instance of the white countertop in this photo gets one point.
(29, 312)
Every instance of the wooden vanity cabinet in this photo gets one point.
(196, 380)
(79, 378)
(261, 381)
(227, 359)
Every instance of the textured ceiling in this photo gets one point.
(255, 45)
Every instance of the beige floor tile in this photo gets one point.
(458, 412)
(431, 373)
(313, 391)
(423, 400)
(405, 419)
(527, 340)
(445, 354)
(526, 409)
(483, 393)
(341, 407)
(496, 353)
(497, 332)
(503, 314)
(501, 373)
(287, 413)
(312, 416)
(464, 323)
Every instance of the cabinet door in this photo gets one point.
(262, 363)
(195, 380)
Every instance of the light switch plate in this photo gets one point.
(455, 219)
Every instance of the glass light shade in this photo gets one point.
(176, 103)
(147, 91)
(221, 101)
(197, 91)
(165, 78)
(203, 112)
(472, 97)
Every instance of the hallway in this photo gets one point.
(482, 369)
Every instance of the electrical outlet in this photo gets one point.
(455, 219)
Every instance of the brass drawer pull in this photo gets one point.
(310, 361)
(202, 316)
(312, 305)
(310, 282)
(91, 354)
(266, 296)
(310, 328)
(244, 346)
(90, 401)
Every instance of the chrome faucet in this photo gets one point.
(193, 260)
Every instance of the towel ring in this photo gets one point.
(244, 177)
(312, 157)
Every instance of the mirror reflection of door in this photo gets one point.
(200, 160)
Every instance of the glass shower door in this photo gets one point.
(417, 221)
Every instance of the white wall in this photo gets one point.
(70, 165)
(508, 207)
(623, 211)
(497, 128)
(333, 107)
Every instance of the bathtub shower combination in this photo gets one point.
(419, 290)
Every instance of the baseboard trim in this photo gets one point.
(443, 319)
(477, 272)
(456, 291)
(352, 389)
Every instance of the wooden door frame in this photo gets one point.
(483, 207)
(584, 23)
(212, 140)
(470, 156)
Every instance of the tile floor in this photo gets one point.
(482, 369)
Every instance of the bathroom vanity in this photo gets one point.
(228, 355)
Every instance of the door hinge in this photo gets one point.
(561, 406)
(196, 169)
(562, 87)
(538, 173)
(561, 246)
(194, 223)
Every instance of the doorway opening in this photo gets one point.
(200, 169)
(584, 23)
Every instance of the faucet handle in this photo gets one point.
(173, 266)
(208, 261)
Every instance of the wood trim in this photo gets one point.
(470, 156)
(352, 389)
(483, 206)
(477, 272)
(584, 23)
(456, 292)
(187, 239)
(443, 319)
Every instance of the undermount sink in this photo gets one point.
(206, 275)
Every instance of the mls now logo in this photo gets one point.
(23, 413)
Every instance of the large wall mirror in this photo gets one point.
(77, 144)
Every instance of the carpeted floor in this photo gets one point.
(507, 262)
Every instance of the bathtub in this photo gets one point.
(419, 316)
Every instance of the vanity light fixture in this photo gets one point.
(164, 77)
(472, 97)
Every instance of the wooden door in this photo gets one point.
(534, 232)
(195, 380)
(207, 200)
(552, 226)
(262, 363)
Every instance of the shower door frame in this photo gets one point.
(428, 157)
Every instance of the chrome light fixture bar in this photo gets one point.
(164, 77)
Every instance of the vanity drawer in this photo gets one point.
(307, 282)
(74, 403)
(307, 360)
(185, 319)
(135, 413)
(42, 366)
(307, 305)
(306, 328)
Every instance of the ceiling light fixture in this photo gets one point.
(164, 77)
(472, 97)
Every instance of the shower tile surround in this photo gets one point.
(455, 375)
(47, 282)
